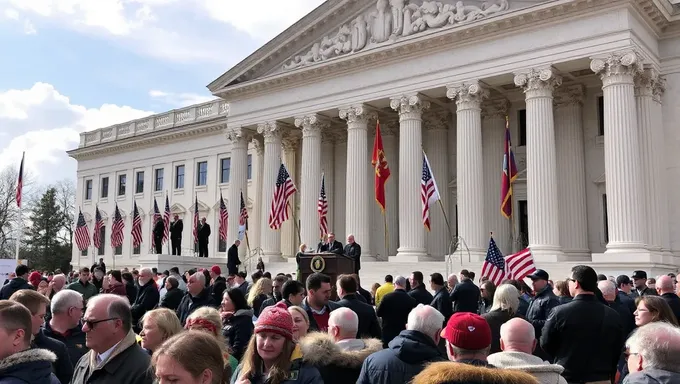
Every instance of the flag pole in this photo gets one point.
(20, 230)
(446, 219)
(297, 227)
(387, 243)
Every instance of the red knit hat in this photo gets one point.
(467, 331)
(34, 278)
(276, 319)
(216, 269)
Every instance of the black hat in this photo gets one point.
(622, 279)
(639, 275)
(539, 275)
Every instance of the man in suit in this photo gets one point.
(203, 235)
(353, 250)
(176, 228)
(158, 231)
(332, 246)
(232, 258)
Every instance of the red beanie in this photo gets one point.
(276, 319)
(34, 278)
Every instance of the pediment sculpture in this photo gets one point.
(391, 20)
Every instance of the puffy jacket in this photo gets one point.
(14, 285)
(32, 366)
(470, 373)
(237, 331)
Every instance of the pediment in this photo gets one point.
(216, 206)
(177, 209)
(87, 217)
(202, 207)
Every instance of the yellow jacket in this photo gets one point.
(382, 291)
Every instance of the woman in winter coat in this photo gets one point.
(237, 321)
(459, 373)
(504, 307)
(272, 356)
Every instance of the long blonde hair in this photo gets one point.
(166, 321)
(263, 286)
(195, 351)
(278, 373)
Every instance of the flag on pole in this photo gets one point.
(494, 264)
(322, 207)
(520, 264)
(284, 189)
(98, 225)
(136, 226)
(156, 217)
(242, 219)
(82, 234)
(429, 193)
(166, 219)
(117, 229)
(196, 220)
(382, 170)
(509, 174)
(224, 219)
(20, 182)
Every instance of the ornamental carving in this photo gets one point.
(436, 121)
(391, 20)
(270, 129)
(571, 95)
(467, 93)
(544, 79)
(312, 124)
(357, 114)
(409, 104)
(650, 83)
(628, 63)
(497, 108)
(238, 135)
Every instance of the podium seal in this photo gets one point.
(318, 264)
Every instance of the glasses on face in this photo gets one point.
(626, 355)
(91, 323)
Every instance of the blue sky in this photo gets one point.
(74, 65)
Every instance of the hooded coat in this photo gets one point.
(32, 366)
(545, 372)
(335, 364)
(458, 373)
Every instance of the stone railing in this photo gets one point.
(161, 121)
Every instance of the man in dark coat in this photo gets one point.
(418, 290)
(65, 325)
(640, 283)
(176, 228)
(394, 309)
(466, 295)
(608, 290)
(540, 306)
(217, 284)
(232, 258)
(173, 295)
(664, 287)
(203, 236)
(332, 246)
(197, 296)
(353, 250)
(17, 283)
(368, 321)
(147, 297)
(158, 232)
(624, 286)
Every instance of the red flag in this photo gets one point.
(509, 174)
(521, 264)
(382, 171)
(20, 183)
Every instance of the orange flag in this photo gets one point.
(382, 171)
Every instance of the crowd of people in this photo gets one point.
(202, 327)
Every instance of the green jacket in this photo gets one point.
(87, 290)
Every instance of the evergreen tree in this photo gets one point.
(42, 237)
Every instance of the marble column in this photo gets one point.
(270, 238)
(451, 189)
(623, 173)
(544, 227)
(435, 140)
(258, 171)
(390, 139)
(571, 184)
(289, 229)
(328, 140)
(470, 171)
(411, 228)
(238, 181)
(357, 183)
(312, 126)
(659, 163)
(494, 113)
(340, 179)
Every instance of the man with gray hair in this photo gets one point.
(409, 352)
(67, 308)
(609, 292)
(197, 296)
(147, 297)
(394, 309)
(653, 353)
(114, 356)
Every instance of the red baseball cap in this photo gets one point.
(216, 269)
(467, 331)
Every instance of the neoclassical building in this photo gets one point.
(590, 90)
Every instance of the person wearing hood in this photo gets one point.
(518, 341)
(19, 364)
(409, 352)
(237, 321)
(197, 296)
(459, 373)
(338, 354)
(17, 283)
(654, 355)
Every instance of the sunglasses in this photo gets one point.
(91, 323)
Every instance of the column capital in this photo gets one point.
(467, 95)
(571, 95)
(497, 108)
(358, 113)
(391, 128)
(238, 136)
(409, 104)
(437, 120)
(649, 83)
(615, 67)
(312, 124)
(271, 130)
(331, 135)
(543, 80)
(290, 142)
(259, 145)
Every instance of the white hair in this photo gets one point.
(400, 281)
(659, 345)
(425, 319)
(346, 320)
(145, 270)
(607, 288)
(200, 277)
(65, 299)
(506, 298)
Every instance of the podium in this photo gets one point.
(327, 263)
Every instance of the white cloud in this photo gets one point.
(45, 124)
(29, 28)
(11, 14)
(180, 99)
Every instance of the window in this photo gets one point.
(139, 182)
(600, 116)
(522, 127)
(202, 173)
(118, 250)
(105, 187)
(222, 246)
(250, 167)
(225, 170)
(159, 180)
(102, 241)
(605, 220)
(122, 180)
(83, 253)
(179, 177)
(523, 217)
(137, 250)
(88, 189)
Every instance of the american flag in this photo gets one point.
(429, 193)
(224, 219)
(166, 219)
(20, 182)
(285, 188)
(242, 219)
(520, 264)
(322, 207)
(196, 220)
(494, 264)
(136, 226)
(156, 217)
(117, 229)
(98, 225)
(82, 234)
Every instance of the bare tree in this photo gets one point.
(9, 212)
(66, 200)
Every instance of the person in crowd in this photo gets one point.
(451, 282)
(487, 290)
(384, 289)
(191, 357)
(173, 295)
(368, 321)
(353, 251)
(158, 233)
(441, 299)
(459, 373)
(147, 297)
(338, 354)
(608, 290)
(19, 363)
(300, 322)
(197, 296)
(374, 290)
(362, 293)
(276, 296)
(624, 286)
(317, 304)
(293, 292)
(640, 284)
(174, 272)
(97, 278)
(654, 355)
(34, 279)
(518, 341)
(584, 336)
(561, 290)
(158, 325)
(394, 311)
(239, 281)
(176, 228)
(540, 306)
(409, 352)
(37, 304)
(100, 264)
(83, 285)
(651, 283)
(301, 252)
(217, 283)
(466, 295)
(272, 355)
(232, 258)
(260, 292)
(208, 319)
(651, 309)
(237, 321)
(44, 287)
(418, 290)
(504, 307)
(57, 284)
(523, 303)
(331, 245)
(130, 286)
(260, 265)
(206, 273)
(114, 356)
(67, 309)
(666, 290)
(113, 283)
(203, 236)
